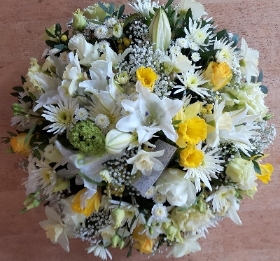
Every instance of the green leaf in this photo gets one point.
(257, 167)
(15, 94)
(120, 12)
(169, 2)
(18, 89)
(235, 39)
(129, 253)
(60, 46)
(103, 7)
(90, 180)
(58, 29)
(37, 154)
(11, 134)
(50, 34)
(260, 78)
(264, 89)
(130, 19)
(22, 79)
(222, 34)
(111, 8)
(50, 43)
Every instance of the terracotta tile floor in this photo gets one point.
(21, 238)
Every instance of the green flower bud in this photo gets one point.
(122, 77)
(17, 109)
(160, 30)
(170, 231)
(88, 138)
(61, 184)
(116, 141)
(118, 215)
(115, 240)
(79, 21)
(122, 244)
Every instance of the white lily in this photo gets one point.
(149, 115)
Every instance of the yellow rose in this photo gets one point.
(92, 204)
(219, 74)
(142, 242)
(19, 145)
(266, 170)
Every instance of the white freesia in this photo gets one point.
(149, 114)
(249, 61)
(116, 141)
(179, 191)
(144, 7)
(146, 162)
(56, 231)
(189, 245)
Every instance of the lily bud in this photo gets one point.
(116, 141)
(79, 21)
(160, 30)
(118, 215)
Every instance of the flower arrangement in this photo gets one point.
(141, 130)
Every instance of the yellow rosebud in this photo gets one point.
(219, 74)
(20, 144)
(190, 157)
(92, 204)
(266, 170)
(142, 242)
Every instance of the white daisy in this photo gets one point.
(101, 32)
(159, 198)
(61, 115)
(102, 121)
(226, 53)
(195, 57)
(192, 80)
(207, 170)
(100, 251)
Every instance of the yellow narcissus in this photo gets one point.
(20, 144)
(190, 157)
(91, 204)
(219, 74)
(147, 77)
(266, 171)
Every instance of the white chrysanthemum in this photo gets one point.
(45, 176)
(225, 203)
(99, 251)
(159, 212)
(81, 114)
(110, 22)
(182, 43)
(102, 121)
(159, 198)
(101, 32)
(150, 192)
(197, 33)
(196, 8)
(195, 57)
(226, 53)
(192, 80)
(207, 170)
(144, 7)
(61, 115)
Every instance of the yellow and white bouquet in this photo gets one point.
(141, 130)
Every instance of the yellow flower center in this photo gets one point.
(64, 117)
(147, 77)
(190, 157)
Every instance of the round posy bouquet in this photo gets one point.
(141, 130)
